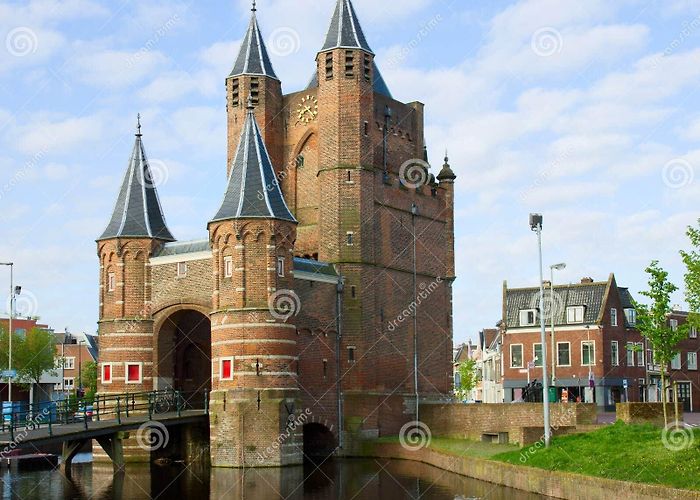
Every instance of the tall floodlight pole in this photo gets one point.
(12, 314)
(558, 267)
(536, 226)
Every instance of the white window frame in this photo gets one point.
(578, 312)
(127, 364)
(613, 316)
(562, 343)
(111, 281)
(534, 354)
(629, 351)
(350, 238)
(694, 357)
(641, 355)
(111, 373)
(69, 383)
(221, 368)
(615, 353)
(522, 355)
(69, 363)
(591, 343)
(693, 332)
(676, 362)
(631, 315)
(527, 312)
(280, 267)
(181, 269)
(673, 323)
(228, 266)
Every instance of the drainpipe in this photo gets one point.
(339, 334)
(414, 213)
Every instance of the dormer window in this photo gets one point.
(574, 314)
(631, 316)
(527, 317)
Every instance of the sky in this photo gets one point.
(586, 111)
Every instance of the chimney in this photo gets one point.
(586, 280)
(547, 283)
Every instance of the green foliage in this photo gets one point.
(4, 348)
(89, 379)
(691, 259)
(652, 321)
(468, 378)
(622, 452)
(34, 355)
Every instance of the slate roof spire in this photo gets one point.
(345, 30)
(253, 58)
(137, 212)
(253, 189)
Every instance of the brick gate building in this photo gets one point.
(300, 299)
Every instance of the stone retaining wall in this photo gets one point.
(646, 413)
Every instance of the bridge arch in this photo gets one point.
(319, 442)
(182, 348)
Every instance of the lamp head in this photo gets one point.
(559, 266)
(18, 290)
(535, 222)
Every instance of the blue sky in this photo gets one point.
(586, 111)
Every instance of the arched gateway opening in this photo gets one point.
(319, 442)
(183, 360)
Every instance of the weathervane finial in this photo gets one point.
(254, 9)
(138, 124)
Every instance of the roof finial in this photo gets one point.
(138, 124)
(250, 105)
(253, 9)
(447, 158)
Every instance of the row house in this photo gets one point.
(491, 340)
(73, 351)
(683, 369)
(598, 355)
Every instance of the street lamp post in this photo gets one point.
(558, 267)
(12, 314)
(536, 226)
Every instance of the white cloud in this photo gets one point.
(115, 68)
(45, 136)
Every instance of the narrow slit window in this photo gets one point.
(255, 90)
(349, 63)
(329, 66)
(236, 93)
(351, 353)
(228, 267)
(368, 67)
(280, 267)
(111, 282)
(325, 368)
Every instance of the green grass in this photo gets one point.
(624, 452)
(460, 447)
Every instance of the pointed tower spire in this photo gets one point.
(345, 30)
(253, 58)
(137, 212)
(253, 190)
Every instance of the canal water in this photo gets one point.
(340, 478)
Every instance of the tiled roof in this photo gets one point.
(253, 189)
(183, 247)
(345, 30)
(253, 58)
(314, 266)
(137, 212)
(589, 295)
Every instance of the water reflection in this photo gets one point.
(343, 479)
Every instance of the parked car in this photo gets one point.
(84, 413)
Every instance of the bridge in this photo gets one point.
(105, 419)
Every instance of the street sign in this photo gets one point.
(9, 373)
(624, 383)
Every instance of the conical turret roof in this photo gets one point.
(345, 30)
(253, 190)
(137, 212)
(253, 58)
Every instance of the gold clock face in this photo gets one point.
(308, 109)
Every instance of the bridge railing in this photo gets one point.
(85, 411)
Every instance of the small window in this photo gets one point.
(228, 267)
(574, 314)
(134, 373)
(280, 267)
(351, 353)
(349, 176)
(325, 368)
(367, 65)
(69, 363)
(588, 353)
(255, 90)
(349, 63)
(516, 356)
(537, 354)
(300, 161)
(527, 317)
(615, 353)
(226, 369)
(640, 354)
(350, 237)
(631, 316)
(676, 362)
(181, 269)
(563, 354)
(692, 361)
(111, 282)
(366, 128)
(613, 317)
(630, 354)
(69, 383)
(673, 324)
(353, 291)
(235, 93)
(107, 373)
(329, 66)
(693, 332)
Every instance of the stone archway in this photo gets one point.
(183, 351)
(319, 442)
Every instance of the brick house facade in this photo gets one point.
(599, 355)
(319, 214)
(683, 369)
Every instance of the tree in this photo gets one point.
(652, 322)
(5, 348)
(468, 378)
(89, 379)
(691, 260)
(35, 355)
